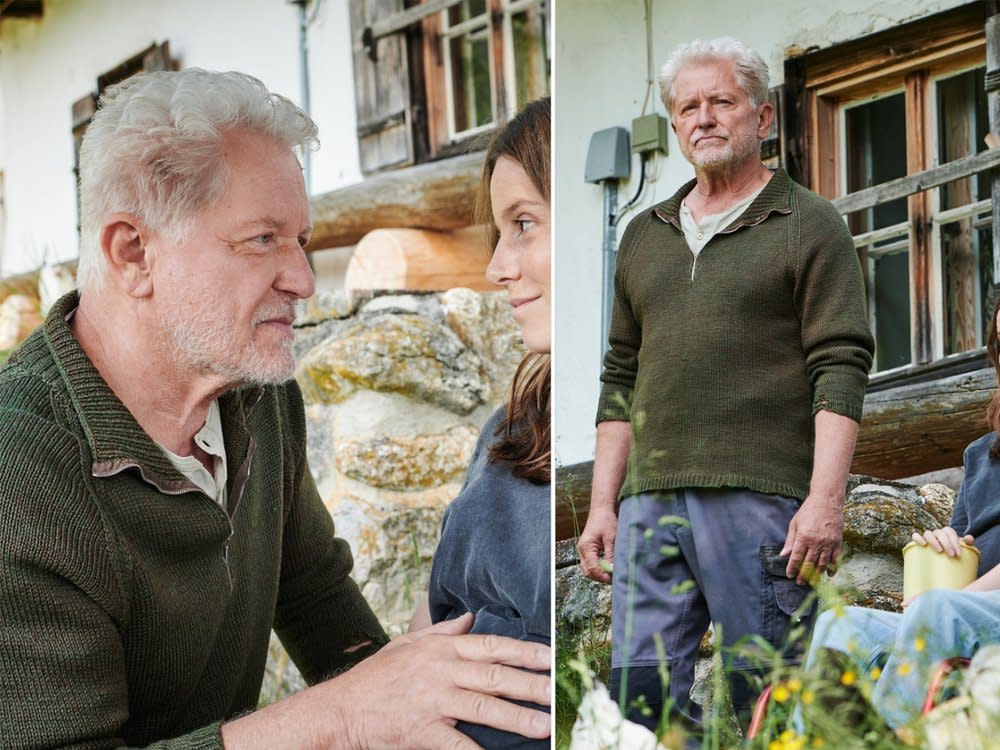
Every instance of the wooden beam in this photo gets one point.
(921, 427)
(919, 210)
(419, 260)
(914, 183)
(993, 105)
(437, 195)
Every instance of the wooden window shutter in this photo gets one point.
(382, 91)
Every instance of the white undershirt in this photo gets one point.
(698, 233)
(209, 439)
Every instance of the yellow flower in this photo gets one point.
(875, 673)
(780, 694)
(818, 742)
(807, 697)
(775, 745)
(904, 669)
(794, 684)
(848, 678)
(787, 736)
(919, 644)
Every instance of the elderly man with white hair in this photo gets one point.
(732, 389)
(157, 515)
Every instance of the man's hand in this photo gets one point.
(814, 537)
(411, 694)
(614, 439)
(944, 540)
(597, 538)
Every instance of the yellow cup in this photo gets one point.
(924, 568)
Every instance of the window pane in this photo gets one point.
(470, 67)
(531, 66)
(966, 245)
(876, 152)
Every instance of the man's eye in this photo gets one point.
(265, 239)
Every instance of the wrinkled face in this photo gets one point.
(521, 262)
(226, 293)
(716, 126)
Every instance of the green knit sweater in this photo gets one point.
(720, 363)
(134, 609)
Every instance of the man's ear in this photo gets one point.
(765, 115)
(124, 242)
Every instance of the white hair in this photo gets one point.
(154, 149)
(751, 70)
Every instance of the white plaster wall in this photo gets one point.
(47, 64)
(600, 73)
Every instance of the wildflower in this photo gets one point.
(808, 697)
(794, 685)
(904, 669)
(780, 694)
(818, 741)
(852, 646)
(875, 673)
(848, 678)
(919, 644)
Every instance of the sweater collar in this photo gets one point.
(774, 198)
(117, 442)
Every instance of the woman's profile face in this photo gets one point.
(521, 259)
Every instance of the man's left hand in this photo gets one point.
(814, 538)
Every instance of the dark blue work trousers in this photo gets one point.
(687, 558)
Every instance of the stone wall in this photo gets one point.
(397, 387)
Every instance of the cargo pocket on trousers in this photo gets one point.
(782, 598)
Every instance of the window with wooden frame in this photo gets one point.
(889, 105)
(432, 76)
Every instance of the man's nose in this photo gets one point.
(706, 116)
(295, 275)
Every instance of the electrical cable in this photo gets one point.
(638, 192)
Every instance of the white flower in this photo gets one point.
(600, 726)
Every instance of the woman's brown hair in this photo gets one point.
(525, 432)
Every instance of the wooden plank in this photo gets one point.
(993, 105)
(436, 195)
(398, 21)
(913, 183)
(419, 260)
(893, 46)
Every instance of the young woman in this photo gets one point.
(905, 648)
(494, 557)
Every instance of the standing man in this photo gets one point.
(732, 389)
(157, 515)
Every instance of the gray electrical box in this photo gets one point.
(608, 157)
(649, 133)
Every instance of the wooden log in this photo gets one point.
(913, 429)
(436, 195)
(905, 431)
(419, 260)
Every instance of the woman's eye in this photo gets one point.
(524, 225)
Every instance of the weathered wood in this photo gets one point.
(922, 427)
(419, 260)
(905, 431)
(437, 195)
(919, 211)
(914, 183)
(993, 105)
